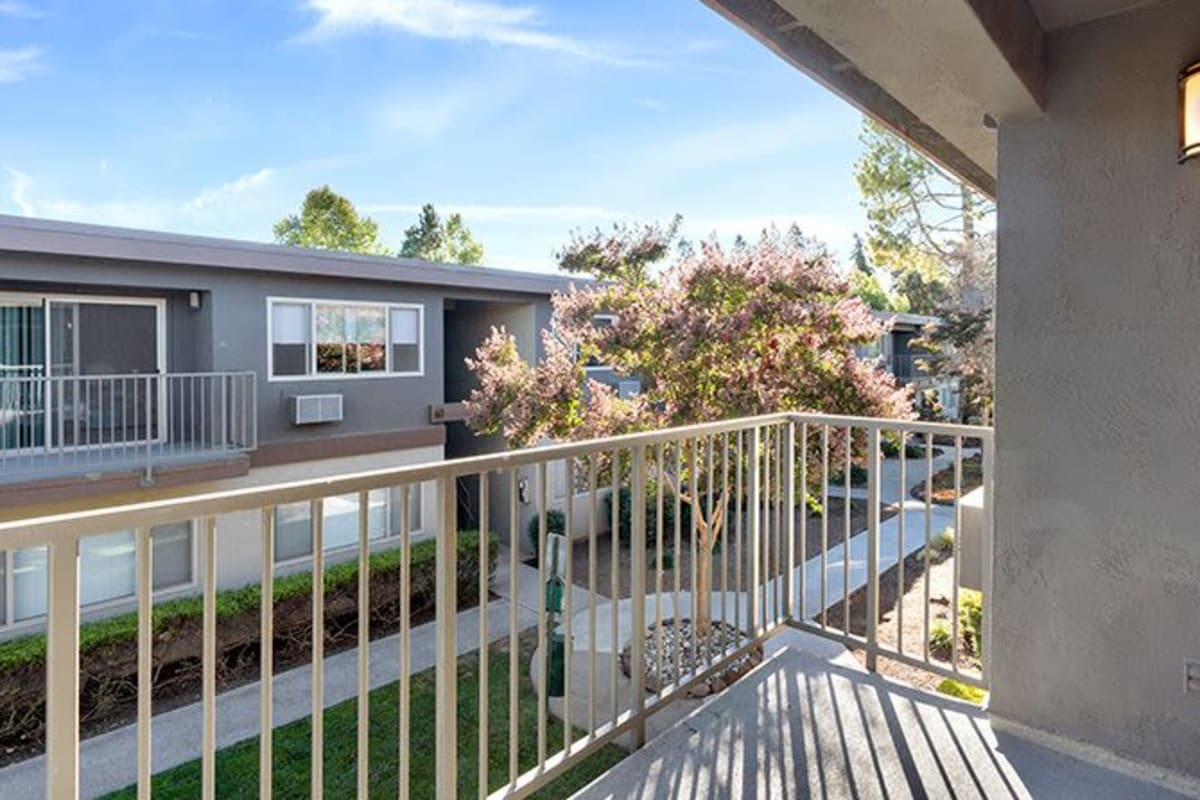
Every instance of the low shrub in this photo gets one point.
(625, 514)
(916, 450)
(108, 647)
(556, 522)
(889, 445)
(941, 639)
(943, 543)
(858, 476)
(972, 694)
(970, 619)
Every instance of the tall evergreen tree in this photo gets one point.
(450, 242)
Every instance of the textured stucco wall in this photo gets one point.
(1097, 598)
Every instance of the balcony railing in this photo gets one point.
(63, 425)
(910, 367)
(775, 566)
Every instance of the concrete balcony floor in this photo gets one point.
(810, 722)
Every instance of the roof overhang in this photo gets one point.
(55, 238)
(941, 73)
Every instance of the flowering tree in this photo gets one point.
(719, 333)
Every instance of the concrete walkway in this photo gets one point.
(108, 762)
(734, 606)
(890, 490)
(810, 722)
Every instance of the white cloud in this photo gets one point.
(15, 8)
(19, 187)
(457, 20)
(733, 143)
(231, 208)
(427, 112)
(239, 186)
(17, 65)
(652, 104)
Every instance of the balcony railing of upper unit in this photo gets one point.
(775, 566)
(76, 424)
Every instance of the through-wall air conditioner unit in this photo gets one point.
(313, 409)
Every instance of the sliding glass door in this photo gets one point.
(80, 371)
(22, 359)
(112, 350)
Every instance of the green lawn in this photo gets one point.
(237, 766)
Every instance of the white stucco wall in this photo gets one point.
(1097, 551)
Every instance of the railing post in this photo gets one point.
(755, 531)
(148, 478)
(446, 650)
(62, 672)
(872, 546)
(638, 582)
(988, 551)
(789, 520)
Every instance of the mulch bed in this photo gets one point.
(681, 641)
(941, 587)
(943, 481)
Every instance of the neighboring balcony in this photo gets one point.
(909, 368)
(59, 426)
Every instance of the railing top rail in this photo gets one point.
(907, 426)
(127, 375)
(166, 508)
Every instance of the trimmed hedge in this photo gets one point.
(625, 514)
(556, 523)
(108, 647)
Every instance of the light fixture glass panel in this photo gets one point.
(1189, 110)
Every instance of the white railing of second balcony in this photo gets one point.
(724, 509)
(72, 424)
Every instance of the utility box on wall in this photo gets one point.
(313, 409)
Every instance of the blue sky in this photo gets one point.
(530, 117)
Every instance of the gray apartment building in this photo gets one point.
(134, 365)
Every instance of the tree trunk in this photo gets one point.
(701, 590)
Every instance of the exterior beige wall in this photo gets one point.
(239, 538)
(1097, 551)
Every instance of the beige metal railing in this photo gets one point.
(775, 568)
(74, 424)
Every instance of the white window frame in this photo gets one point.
(313, 375)
(612, 320)
(101, 608)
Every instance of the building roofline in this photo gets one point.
(58, 238)
(903, 318)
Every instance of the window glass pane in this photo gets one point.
(289, 338)
(416, 516)
(406, 340)
(172, 554)
(293, 531)
(397, 508)
(370, 325)
(29, 583)
(378, 517)
(3, 586)
(107, 567)
(331, 338)
(341, 521)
